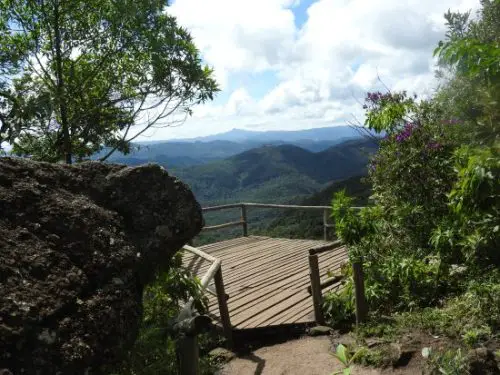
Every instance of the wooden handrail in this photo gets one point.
(225, 225)
(316, 287)
(268, 205)
(201, 254)
(188, 344)
(321, 249)
(330, 281)
(244, 222)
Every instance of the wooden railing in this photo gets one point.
(190, 326)
(316, 287)
(243, 222)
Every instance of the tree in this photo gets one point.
(470, 58)
(94, 74)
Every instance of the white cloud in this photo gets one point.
(237, 36)
(322, 68)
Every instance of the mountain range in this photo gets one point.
(202, 150)
(302, 167)
(331, 133)
(275, 174)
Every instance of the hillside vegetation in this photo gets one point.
(309, 224)
(430, 243)
(276, 174)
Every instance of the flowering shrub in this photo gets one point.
(434, 228)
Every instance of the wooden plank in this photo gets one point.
(304, 305)
(239, 263)
(267, 261)
(264, 258)
(280, 294)
(228, 243)
(359, 292)
(223, 310)
(275, 310)
(199, 253)
(266, 278)
(268, 303)
(327, 247)
(269, 288)
(280, 278)
(243, 247)
(244, 220)
(231, 251)
(263, 205)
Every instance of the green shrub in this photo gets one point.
(338, 307)
(154, 351)
(449, 362)
(380, 356)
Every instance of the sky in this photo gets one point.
(295, 64)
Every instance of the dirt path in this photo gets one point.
(304, 356)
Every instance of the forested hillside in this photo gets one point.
(307, 224)
(276, 174)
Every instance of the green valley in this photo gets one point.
(275, 174)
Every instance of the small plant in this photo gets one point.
(476, 336)
(344, 357)
(371, 357)
(339, 306)
(450, 362)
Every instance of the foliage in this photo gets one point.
(472, 228)
(383, 355)
(276, 173)
(154, 352)
(338, 307)
(309, 224)
(429, 243)
(472, 316)
(449, 362)
(473, 47)
(84, 75)
(343, 355)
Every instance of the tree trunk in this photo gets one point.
(60, 89)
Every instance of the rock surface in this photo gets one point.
(320, 331)
(77, 245)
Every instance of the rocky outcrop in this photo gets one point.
(77, 245)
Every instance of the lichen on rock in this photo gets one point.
(77, 246)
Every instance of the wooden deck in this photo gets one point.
(266, 279)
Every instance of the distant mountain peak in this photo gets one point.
(331, 133)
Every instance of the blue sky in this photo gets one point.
(294, 64)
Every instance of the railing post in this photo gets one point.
(325, 225)
(316, 289)
(244, 220)
(188, 328)
(359, 292)
(188, 355)
(223, 309)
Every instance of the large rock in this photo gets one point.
(77, 245)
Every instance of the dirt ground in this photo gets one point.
(303, 356)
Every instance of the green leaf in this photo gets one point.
(341, 354)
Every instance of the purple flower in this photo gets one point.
(433, 145)
(406, 133)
